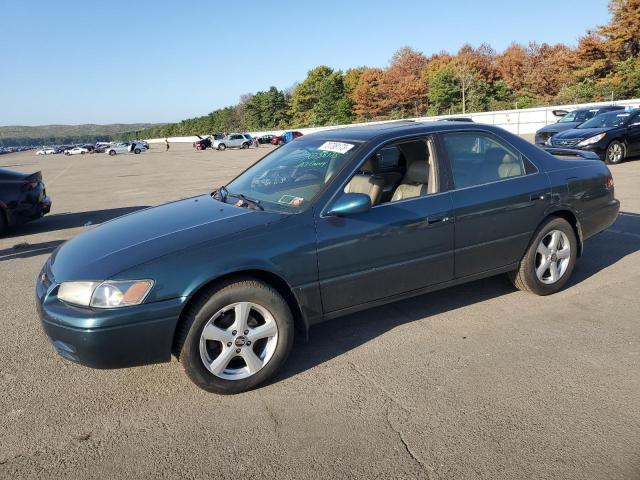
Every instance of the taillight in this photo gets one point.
(610, 182)
(29, 186)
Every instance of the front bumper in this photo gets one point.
(108, 338)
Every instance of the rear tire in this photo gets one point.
(549, 261)
(224, 351)
(112, 153)
(136, 151)
(616, 152)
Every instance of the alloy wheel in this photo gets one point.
(552, 257)
(238, 341)
(615, 153)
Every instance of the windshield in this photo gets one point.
(289, 178)
(606, 120)
(577, 116)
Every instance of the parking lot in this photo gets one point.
(477, 381)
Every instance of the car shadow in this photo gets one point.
(62, 221)
(608, 247)
(26, 250)
(335, 337)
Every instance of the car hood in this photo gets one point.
(558, 127)
(580, 133)
(120, 244)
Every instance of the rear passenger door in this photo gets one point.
(499, 198)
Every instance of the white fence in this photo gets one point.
(525, 121)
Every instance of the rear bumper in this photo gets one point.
(600, 219)
(109, 338)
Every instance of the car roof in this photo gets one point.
(392, 129)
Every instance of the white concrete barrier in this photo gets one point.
(525, 121)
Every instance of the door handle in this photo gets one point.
(437, 219)
(534, 197)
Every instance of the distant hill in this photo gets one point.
(16, 135)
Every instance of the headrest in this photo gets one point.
(508, 158)
(417, 172)
(370, 165)
(494, 155)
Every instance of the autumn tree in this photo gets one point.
(403, 89)
(512, 65)
(623, 30)
(368, 95)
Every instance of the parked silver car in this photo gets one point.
(125, 147)
(233, 140)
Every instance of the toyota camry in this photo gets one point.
(330, 223)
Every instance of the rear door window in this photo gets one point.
(477, 158)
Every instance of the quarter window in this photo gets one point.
(477, 158)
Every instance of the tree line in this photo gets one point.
(604, 65)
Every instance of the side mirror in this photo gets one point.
(559, 113)
(350, 204)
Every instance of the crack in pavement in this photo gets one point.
(426, 468)
(272, 416)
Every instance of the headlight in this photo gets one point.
(109, 294)
(548, 142)
(592, 140)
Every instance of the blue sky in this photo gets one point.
(85, 61)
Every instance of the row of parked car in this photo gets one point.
(4, 150)
(222, 141)
(612, 132)
(110, 148)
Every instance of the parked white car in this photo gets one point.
(233, 140)
(76, 151)
(125, 147)
(46, 151)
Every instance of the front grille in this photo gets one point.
(566, 143)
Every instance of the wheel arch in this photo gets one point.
(570, 216)
(273, 280)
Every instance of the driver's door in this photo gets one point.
(393, 248)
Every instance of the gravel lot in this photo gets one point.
(478, 381)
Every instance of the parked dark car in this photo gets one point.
(286, 137)
(456, 119)
(613, 136)
(572, 120)
(265, 139)
(23, 198)
(202, 143)
(335, 222)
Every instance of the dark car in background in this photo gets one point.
(335, 222)
(265, 139)
(612, 136)
(572, 120)
(202, 143)
(23, 198)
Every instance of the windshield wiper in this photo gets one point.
(248, 201)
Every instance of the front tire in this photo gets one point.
(136, 151)
(112, 153)
(235, 337)
(222, 146)
(616, 152)
(549, 260)
(244, 145)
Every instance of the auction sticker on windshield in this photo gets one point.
(337, 147)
